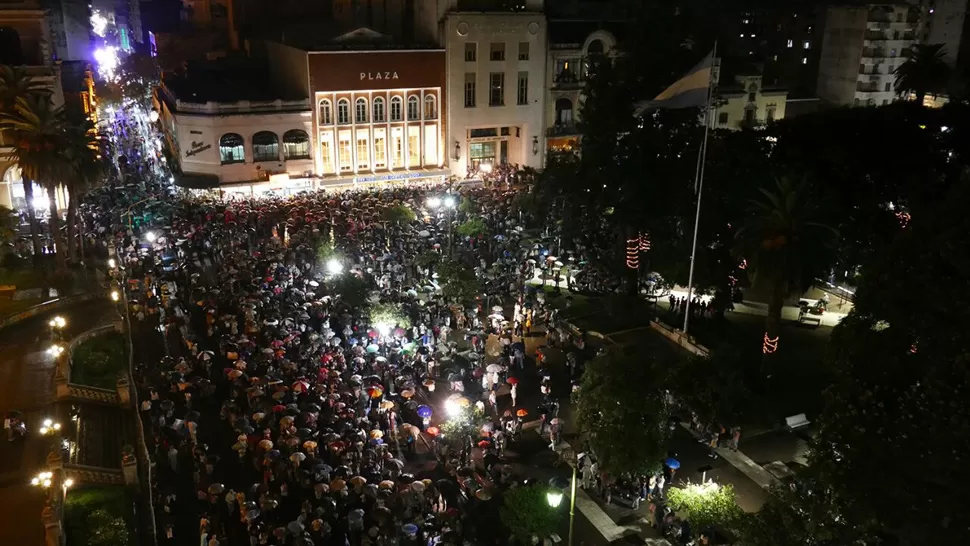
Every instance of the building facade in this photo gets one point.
(496, 69)
(24, 42)
(247, 147)
(748, 104)
(378, 116)
(571, 45)
(861, 48)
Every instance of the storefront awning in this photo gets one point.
(197, 181)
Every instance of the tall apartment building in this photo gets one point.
(861, 47)
(947, 22)
(496, 82)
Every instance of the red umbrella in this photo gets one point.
(512, 380)
(433, 431)
(278, 408)
(483, 443)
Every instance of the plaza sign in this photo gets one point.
(378, 76)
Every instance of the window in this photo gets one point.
(523, 51)
(360, 110)
(414, 112)
(804, 60)
(296, 144)
(522, 91)
(770, 113)
(497, 51)
(325, 155)
(885, 102)
(791, 43)
(471, 52)
(889, 87)
(345, 156)
(380, 150)
(430, 107)
(363, 155)
(325, 113)
(855, 101)
(378, 109)
(862, 69)
(496, 95)
(752, 97)
(892, 52)
(231, 149)
(397, 150)
(469, 90)
(806, 45)
(343, 111)
(722, 118)
(266, 146)
(414, 146)
(396, 109)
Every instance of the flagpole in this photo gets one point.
(699, 184)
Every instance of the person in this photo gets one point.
(513, 391)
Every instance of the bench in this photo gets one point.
(796, 421)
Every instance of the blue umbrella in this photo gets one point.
(672, 463)
(410, 529)
(372, 348)
(424, 412)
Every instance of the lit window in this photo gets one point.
(343, 111)
(806, 45)
(395, 108)
(378, 109)
(363, 159)
(430, 107)
(325, 113)
(296, 144)
(361, 110)
(791, 43)
(266, 146)
(413, 110)
(231, 149)
(344, 153)
(804, 60)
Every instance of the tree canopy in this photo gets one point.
(526, 513)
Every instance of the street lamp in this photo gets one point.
(449, 201)
(151, 236)
(554, 498)
(112, 263)
(115, 296)
(55, 350)
(153, 116)
(44, 479)
(50, 427)
(434, 202)
(334, 267)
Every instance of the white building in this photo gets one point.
(242, 146)
(746, 103)
(861, 47)
(946, 22)
(496, 88)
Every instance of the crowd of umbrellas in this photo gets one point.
(283, 412)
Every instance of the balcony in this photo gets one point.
(568, 79)
(242, 107)
(876, 36)
(562, 129)
(874, 53)
(866, 88)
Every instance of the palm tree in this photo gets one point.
(84, 157)
(36, 129)
(785, 242)
(16, 83)
(924, 71)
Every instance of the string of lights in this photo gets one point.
(644, 242)
(633, 253)
(769, 345)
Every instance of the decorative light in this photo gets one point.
(913, 348)
(644, 242)
(434, 202)
(107, 59)
(55, 350)
(486, 167)
(554, 498)
(904, 218)
(334, 267)
(452, 409)
(151, 236)
(99, 23)
(633, 253)
(115, 296)
(449, 201)
(384, 328)
(112, 263)
(769, 345)
(743, 264)
(153, 116)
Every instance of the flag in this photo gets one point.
(691, 91)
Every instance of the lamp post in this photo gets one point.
(554, 498)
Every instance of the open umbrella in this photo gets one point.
(216, 488)
(493, 368)
(672, 463)
(425, 412)
(512, 380)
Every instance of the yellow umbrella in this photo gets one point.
(338, 485)
(374, 434)
(387, 484)
(387, 404)
(358, 481)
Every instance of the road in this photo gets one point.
(27, 384)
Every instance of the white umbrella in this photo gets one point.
(497, 309)
(493, 368)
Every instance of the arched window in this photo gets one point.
(11, 52)
(296, 144)
(595, 48)
(414, 112)
(266, 146)
(430, 107)
(361, 110)
(343, 111)
(231, 149)
(564, 111)
(378, 109)
(326, 112)
(396, 109)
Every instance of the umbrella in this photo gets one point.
(387, 484)
(298, 457)
(387, 404)
(358, 480)
(266, 444)
(375, 392)
(376, 433)
(483, 494)
(425, 412)
(496, 308)
(338, 485)
(309, 445)
(433, 431)
(216, 488)
(512, 380)
(407, 393)
(672, 463)
(521, 413)
(493, 368)
(418, 487)
(372, 348)
(295, 527)
(410, 529)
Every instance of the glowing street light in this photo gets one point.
(68, 483)
(434, 202)
(334, 267)
(112, 263)
(44, 479)
(58, 322)
(115, 296)
(151, 236)
(452, 408)
(50, 427)
(384, 328)
(450, 201)
(55, 350)
(554, 498)
(153, 116)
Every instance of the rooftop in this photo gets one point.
(570, 34)
(224, 80)
(328, 37)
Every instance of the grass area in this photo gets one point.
(800, 369)
(98, 516)
(98, 361)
